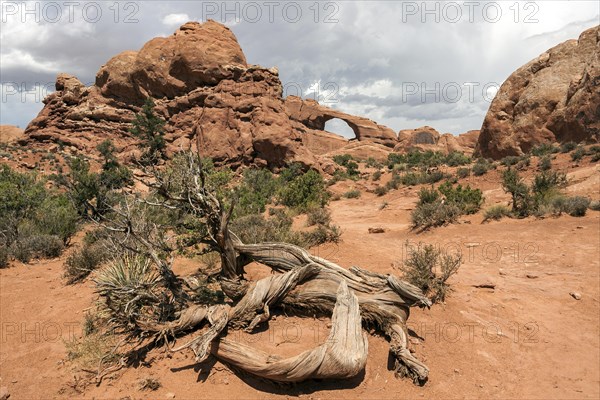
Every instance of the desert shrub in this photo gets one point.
(342, 159)
(92, 350)
(481, 167)
(513, 184)
(429, 270)
(84, 188)
(545, 186)
(371, 162)
(568, 147)
(255, 191)
(417, 178)
(545, 163)
(496, 212)
(434, 214)
(4, 256)
(577, 206)
(113, 174)
(149, 128)
(455, 158)
(427, 196)
(318, 216)
(578, 154)
(594, 151)
(84, 260)
(322, 234)
(37, 246)
(466, 199)
(381, 190)
(395, 182)
(462, 173)
(376, 175)
(255, 228)
(352, 169)
(149, 384)
(56, 216)
(524, 162)
(544, 149)
(352, 194)
(509, 161)
(594, 205)
(303, 191)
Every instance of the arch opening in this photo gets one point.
(340, 127)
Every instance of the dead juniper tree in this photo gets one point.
(162, 306)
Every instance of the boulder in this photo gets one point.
(10, 133)
(553, 98)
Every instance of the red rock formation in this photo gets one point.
(427, 138)
(10, 133)
(554, 98)
(210, 98)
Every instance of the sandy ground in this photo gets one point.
(526, 338)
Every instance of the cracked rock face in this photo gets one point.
(554, 98)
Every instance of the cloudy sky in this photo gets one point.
(403, 64)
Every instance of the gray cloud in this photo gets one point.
(370, 56)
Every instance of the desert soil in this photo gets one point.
(526, 337)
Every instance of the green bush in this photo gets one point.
(468, 200)
(427, 196)
(56, 216)
(418, 178)
(434, 214)
(304, 191)
(462, 173)
(376, 175)
(372, 163)
(342, 159)
(594, 151)
(113, 175)
(429, 270)
(545, 163)
(521, 197)
(149, 128)
(509, 161)
(318, 216)
(322, 234)
(480, 168)
(84, 260)
(4, 256)
(381, 190)
(455, 158)
(352, 194)
(568, 147)
(37, 246)
(255, 228)
(545, 186)
(544, 149)
(257, 189)
(578, 154)
(496, 212)
(577, 206)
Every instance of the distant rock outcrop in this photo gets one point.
(10, 133)
(554, 98)
(427, 138)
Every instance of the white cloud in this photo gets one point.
(175, 19)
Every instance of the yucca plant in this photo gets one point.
(131, 289)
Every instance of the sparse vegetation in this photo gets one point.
(318, 216)
(545, 163)
(496, 213)
(85, 260)
(376, 175)
(429, 270)
(481, 167)
(577, 154)
(352, 194)
(428, 159)
(594, 205)
(381, 190)
(544, 149)
(567, 147)
(462, 173)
